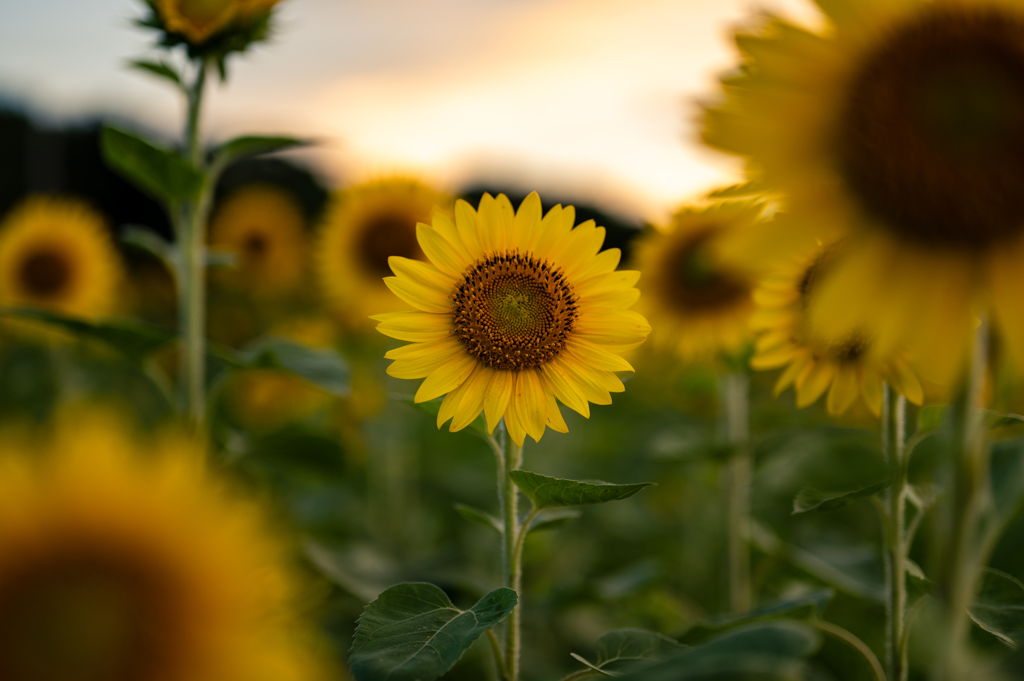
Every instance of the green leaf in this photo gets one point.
(135, 340)
(433, 407)
(323, 368)
(808, 605)
(810, 499)
(160, 172)
(770, 650)
(475, 515)
(999, 607)
(1007, 477)
(546, 492)
(930, 417)
(159, 69)
(412, 632)
(553, 519)
(624, 649)
(240, 147)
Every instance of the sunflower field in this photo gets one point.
(258, 425)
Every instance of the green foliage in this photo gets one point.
(553, 518)
(999, 607)
(810, 605)
(623, 650)
(811, 499)
(322, 367)
(251, 145)
(135, 340)
(412, 632)
(159, 69)
(771, 650)
(159, 172)
(475, 515)
(149, 241)
(546, 492)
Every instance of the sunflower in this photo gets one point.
(700, 305)
(124, 560)
(512, 312)
(264, 226)
(198, 20)
(365, 225)
(814, 361)
(899, 127)
(56, 254)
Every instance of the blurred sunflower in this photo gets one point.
(56, 254)
(264, 226)
(513, 311)
(816, 362)
(365, 225)
(699, 305)
(198, 20)
(899, 127)
(126, 561)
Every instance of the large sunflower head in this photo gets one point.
(365, 225)
(900, 127)
(264, 227)
(124, 560)
(513, 310)
(700, 305)
(197, 21)
(815, 361)
(57, 254)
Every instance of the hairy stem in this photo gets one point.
(735, 407)
(894, 415)
(192, 277)
(512, 457)
(971, 496)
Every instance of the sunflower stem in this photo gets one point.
(971, 496)
(894, 415)
(735, 407)
(512, 457)
(192, 278)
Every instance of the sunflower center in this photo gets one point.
(698, 284)
(384, 236)
(255, 245)
(932, 138)
(76, 622)
(44, 273)
(513, 311)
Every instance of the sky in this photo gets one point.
(593, 100)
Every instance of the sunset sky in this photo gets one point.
(592, 99)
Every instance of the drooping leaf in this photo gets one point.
(553, 519)
(134, 339)
(546, 492)
(767, 650)
(624, 649)
(250, 145)
(159, 69)
(475, 515)
(159, 172)
(810, 499)
(322, 367)
(930, 417)
(412, 632)
(808, 605)
(999, 607)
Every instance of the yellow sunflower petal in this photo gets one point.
(421, 367)
(531, 404)
(466, 224)
(564, 388)
(497, 396)
(416, 326)
(527, 221)
(422, 298)
(446, 377)
(597, 357)
(471, 400)
(813, 383)
(441, 252)
(554, 419)
(844, 390)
